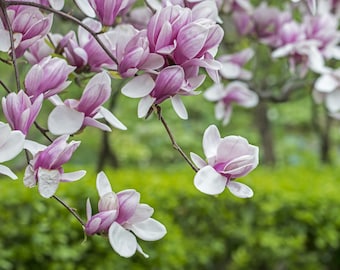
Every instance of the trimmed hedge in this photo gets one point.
(292, 222)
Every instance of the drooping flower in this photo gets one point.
(45, 169)
(73, 115)
(105, 10)
(48, 77)
(11, 144)
(167, 84)
(20, 111)
(235, 92)
(122, 218)
(232, 65)
(28, 24)
(226, 159)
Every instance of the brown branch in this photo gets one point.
(68, 17)
(11, 37)
(157, 110)
(71, 210)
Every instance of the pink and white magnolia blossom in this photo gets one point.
(45, 169)
(235, 92)
(42, 48)
(122, 218)
(11, 144)
(226, 159)
(169, 83)
(28, 25)
(48, 77)
(311, 4)
(83, 51)
(20, 111)
(267, 22)
(72, 115)
(106, 10)
(324, 30)
(327, 90)
(232, 65)
(131, 49)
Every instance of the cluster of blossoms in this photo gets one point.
(161, 51)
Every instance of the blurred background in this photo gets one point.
(292, 222)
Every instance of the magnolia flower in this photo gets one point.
(28, 24)
(20, 111)
(105, 10)
(122, 218)
(11, 144)
(48, 77)
(235, 92)
(168, 84)
(73, 115)
(327, 89)
(232, 65)
(45, 169)
(226, 159)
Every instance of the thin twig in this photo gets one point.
(68, 17)
(43, 131)
(71, 210)
(157, 110)
(11, 37)
(5, 87)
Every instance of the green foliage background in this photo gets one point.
(292, 222)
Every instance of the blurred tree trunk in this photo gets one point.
(322, 126)
(107, 155)
(266, 134)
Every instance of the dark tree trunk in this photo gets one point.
(266, 134)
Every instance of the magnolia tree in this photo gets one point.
(163, 51)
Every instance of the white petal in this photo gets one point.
(72, 176)
(144, 105)
(86, 8)
(48, 182)
(179, 107)
(33, 147)
(88, 209)
(13, 146)
(122, 241)
(140, 250)
(199, 162)
(211, 140)
(333, 101)
(57, 4)
(143, 212)
(5, 43)
(149, 230)
(326, 83)
(240, 190)
(230, 70)
(208, 181)
(139, 86)
(103, 184)
(65, 120)
(7, 171)
(112, 119)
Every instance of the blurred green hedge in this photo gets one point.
(293, 222)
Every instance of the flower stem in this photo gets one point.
(157, 110)
(71, 210)
(11, 37)
(68, 17)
